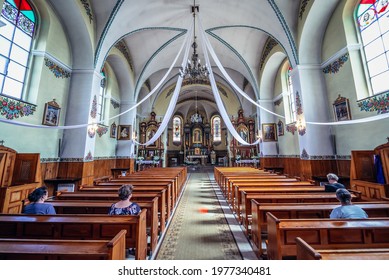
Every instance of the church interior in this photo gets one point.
(225, 116)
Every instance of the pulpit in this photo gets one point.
(369, 172)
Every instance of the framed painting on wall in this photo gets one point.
(280, 128)
(51, 113)
(113, 130)
(269, 132)
(124, 132)
(342, 109)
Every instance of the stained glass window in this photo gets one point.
(15, 45)
(373, 22)
(176, 129)
(216, 129)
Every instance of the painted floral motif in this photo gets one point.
(336, 65)
(93, 111)
(270, 44)
(299, 107)
(115, 104)
(11, 108)
(304, 4)
(89, 156)
(278, 102)
(101, 130)
(304, 154)
(87, 9)
(58, 71)
(291, 128)
(91, 132)
(379, 103)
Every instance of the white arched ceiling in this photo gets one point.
(79, 37)
(269, 75)
(310, 47)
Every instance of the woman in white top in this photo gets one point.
(347, 210)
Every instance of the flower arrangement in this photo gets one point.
(141, 158)
(238, 157)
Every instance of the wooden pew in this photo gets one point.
(46, 249)
(328, 233)
(112, 196)
(162, 194)
(220, 172)
(303, 211)
(77, 227)
(307, 252)
(248, 198)
(101, 207)
(235, 201)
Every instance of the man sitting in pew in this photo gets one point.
(125, 206)
(347, 210)
(333, 183)
(36, 203)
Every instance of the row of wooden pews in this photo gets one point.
(287, 219)
(82, 218)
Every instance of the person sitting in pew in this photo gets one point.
(347, 210)
(125, 206)
(333, 184)
(37, 205)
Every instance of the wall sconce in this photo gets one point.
(301, 126)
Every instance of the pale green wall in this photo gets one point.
(357, 136)
(42, 87)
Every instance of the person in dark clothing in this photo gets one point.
(37, 205)
(333, 184)
(125, 206)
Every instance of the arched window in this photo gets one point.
(292, 98)
(216, 129)
(15, 46)
(101, 101)
(176, 129)
(373, 22)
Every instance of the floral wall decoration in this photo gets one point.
(304, 4)
(13, 109)
(122, 47)
(304, 154)
(278, 102)
(379, 103)
(87, 9)
(91, 132)
(93, 111)
(291, 128)
(89, 156)
(115, 104)
(270, 44)
(335, 66)
(101, 129)
(299, 107)
(58, 71)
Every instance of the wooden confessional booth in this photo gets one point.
(19, 176)
(363, 172)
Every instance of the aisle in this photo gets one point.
(199, 229)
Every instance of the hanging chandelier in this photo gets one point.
(194, 70)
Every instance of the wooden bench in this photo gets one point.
(328, 233)
(113, 196)
(101, 207)
(77, 227)
(46, 249)
(248, 198)
(303, 211)
(307, 252)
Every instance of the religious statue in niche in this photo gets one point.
(196, 118)
(197, 136)
(150, 135)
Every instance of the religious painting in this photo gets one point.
(243, 132)
(341, 109)
(150, 134)
(269, 131)
(197, 151)
(197, 136)
(280, 128)
(124, 132)
(113, 130)
(51, 114)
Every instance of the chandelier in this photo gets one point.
(194, 70)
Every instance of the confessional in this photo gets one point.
(366, 166)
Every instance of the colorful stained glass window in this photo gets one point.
(216, 129)
(15, 45)
(176, 129)
(373, 22)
